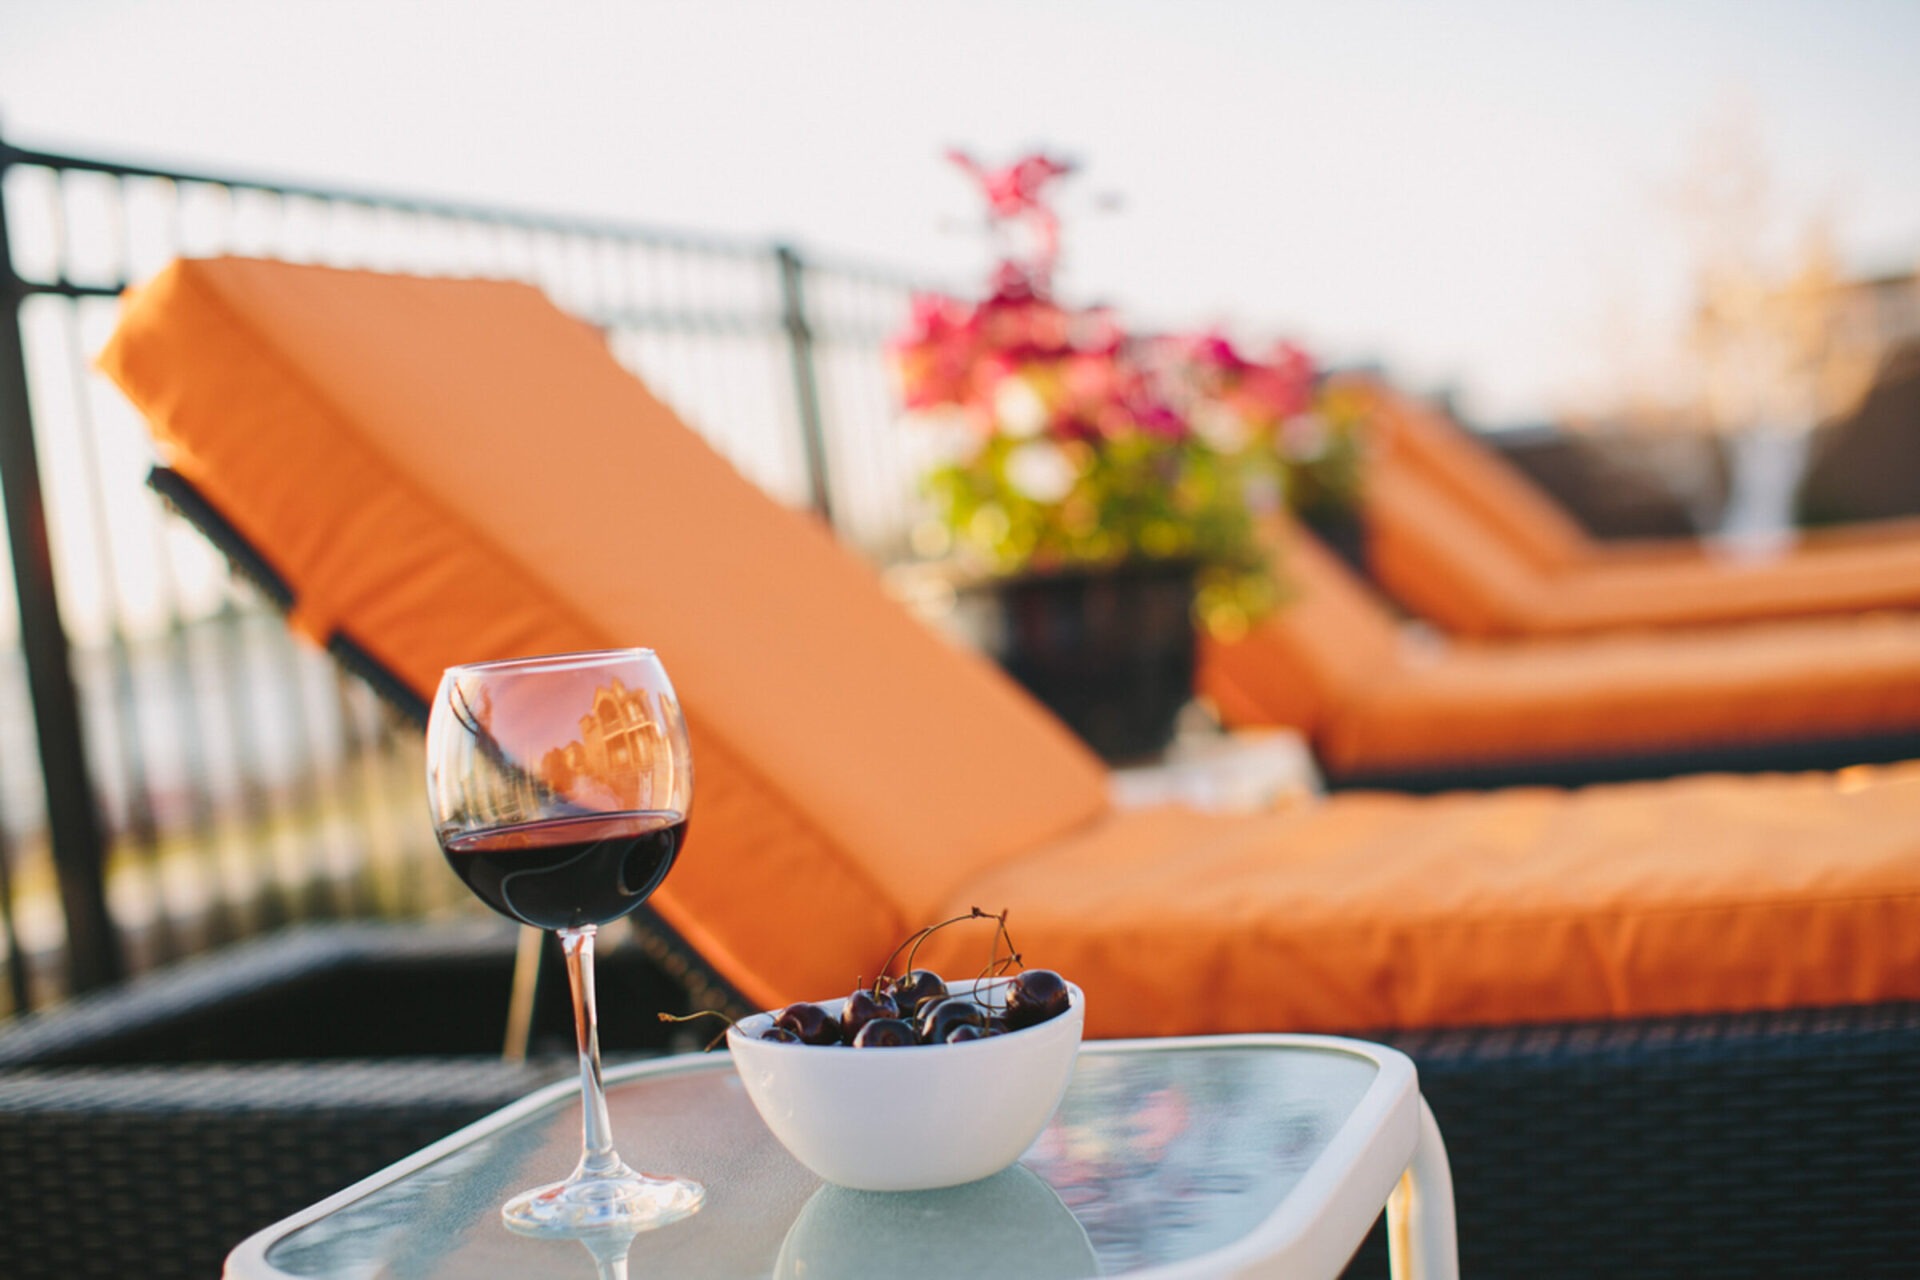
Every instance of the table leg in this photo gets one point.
(1420, 1231)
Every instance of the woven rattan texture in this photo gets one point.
(159, 1172)
(1780, 1144)
(155, 1160)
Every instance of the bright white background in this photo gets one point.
(1479, 194)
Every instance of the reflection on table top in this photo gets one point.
(1163, 1152)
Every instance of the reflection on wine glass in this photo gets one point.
(559, 788)
(607, 1246)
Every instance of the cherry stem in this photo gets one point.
(995, 965)
(703, 1013)
(1013, 952)
(911, 944)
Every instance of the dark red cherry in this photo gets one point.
(885, 1033)
(939, 1020)
(961, 1034)
(914, 988)
(811, 1023)
(779, 1034)
(1035, 996)
(862, 1007)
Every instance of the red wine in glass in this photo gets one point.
(559, 788)
(562, 873)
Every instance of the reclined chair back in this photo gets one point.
(1331, 637)
(451, 470)
(1528, 523)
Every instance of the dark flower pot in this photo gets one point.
(1111, 652)
(1344, 532)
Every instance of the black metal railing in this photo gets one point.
(174, 771)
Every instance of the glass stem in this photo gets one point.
(598, 1158)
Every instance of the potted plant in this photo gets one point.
(1105, 489)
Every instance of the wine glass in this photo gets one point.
(559, 788)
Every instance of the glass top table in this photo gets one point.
(1222, 1155)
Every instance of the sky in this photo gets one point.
(1478, 195)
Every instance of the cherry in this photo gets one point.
(939, 1020)
(862, 1007)
(1034, 996)
(917, 1008)
(809, 1022)
(914, 988)
(885, 1033)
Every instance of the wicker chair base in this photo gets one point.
(160, 1171)
(1775, 1144)
(146, 1130)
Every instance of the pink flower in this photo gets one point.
(1015, 189)
(1213, 350)
(1013, 283)
(1097, 332)
(1021, 323)
(935, 356)
(1294, 360)
(1157, 418)
(1284, 384)
(1267, 392)
(1013, 194)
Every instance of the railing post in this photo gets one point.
(806, 388)
(79, 852)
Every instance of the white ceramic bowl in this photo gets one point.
(910, 1118)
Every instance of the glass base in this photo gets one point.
(618, 1201)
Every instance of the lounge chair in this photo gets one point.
(1464, 540)
(1388, 705)
(445, 470)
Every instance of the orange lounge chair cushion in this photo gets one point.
(1449, 568)
(1535, 527)
(1597, 697)
(1333, 664)
(1482, 485)
(1379, 910)
(1463, 540)
(1504, 501)
(447, 470)
(455, 470)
